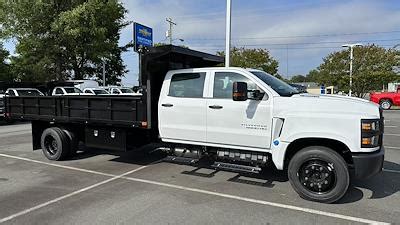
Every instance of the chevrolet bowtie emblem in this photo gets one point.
(144, 32)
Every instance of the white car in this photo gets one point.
(23, 92)
(59, 91)
(96, 91)
(123, 91)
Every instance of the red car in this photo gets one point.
(386, 99)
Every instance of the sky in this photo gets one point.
(299, 34)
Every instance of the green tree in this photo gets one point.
(312, 76)
(65, 39)
(5, 73)
(373, 66)
(298, 79)
(253, 58)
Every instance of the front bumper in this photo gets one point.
(367, 165)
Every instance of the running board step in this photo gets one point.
(181, 160)
(236, 167)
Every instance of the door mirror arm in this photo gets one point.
(256, 95)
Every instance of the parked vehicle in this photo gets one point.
(122, 91)
(386, 99)
(95, 91)
(2, 110)
(243, 120)
(58, 91)
(299, 88)
(24, 92)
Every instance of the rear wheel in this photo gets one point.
(385, 104)
(319, 174)
(55, 144)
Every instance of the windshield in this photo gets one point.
(29, 93)
(100, 92)
(126, 90)
(282, 88)
(72, 90)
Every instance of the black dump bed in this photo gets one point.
(113, 110)
(134, 111)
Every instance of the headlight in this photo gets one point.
(371, 133)
(370, 125)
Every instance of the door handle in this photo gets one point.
(215, 107)
(167, 105)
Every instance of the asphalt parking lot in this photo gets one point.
(99, 187)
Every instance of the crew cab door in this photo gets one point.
(237, 123)
(182, 108)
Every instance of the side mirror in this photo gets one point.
(239, 92)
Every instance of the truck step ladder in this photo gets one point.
(235, 167)
(181, 160)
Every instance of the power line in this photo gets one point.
(281, 48)
(299, 36)
(312, 43)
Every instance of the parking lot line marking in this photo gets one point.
(392, 147)
(398, 135)
(17, 131)
(67, 196)
(261, 202)
(391, 171)
(57, 165)
(390, 126)
(123, 176)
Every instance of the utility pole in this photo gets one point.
(351, 46)
(169, 32)
(228, 33)
(104, 73)
(287, 61)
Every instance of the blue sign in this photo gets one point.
(142, 36)
(323, 89)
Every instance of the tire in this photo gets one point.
(385, 104)
(73, 142)
(55, 144)
(319, 174)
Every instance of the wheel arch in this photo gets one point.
(385, 98)
(301, 143)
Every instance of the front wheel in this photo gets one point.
(319, 174)
(385, 104)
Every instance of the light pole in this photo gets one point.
(351, 46)
(228, 33)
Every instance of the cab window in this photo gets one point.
(187, 85)
(59, 91)
(115, 91)
(223, 84)
(11, 93)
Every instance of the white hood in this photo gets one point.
(308, 103)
